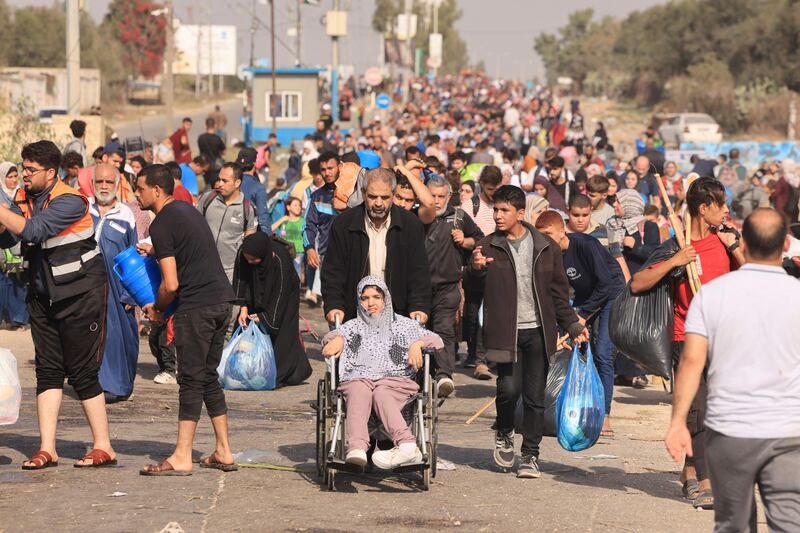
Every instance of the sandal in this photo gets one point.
(690, 489)
(607, 433)
(100, 459)
(212, 462)
(40, 460)
(164, 468)
(704, 500)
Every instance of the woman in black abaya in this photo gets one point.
(267, 286)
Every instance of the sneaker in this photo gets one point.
(504, 449)
(528, 467)
(310, 298)
(469, 362)
(640, 382)
(165, 378)
(446, 387)
(356, 457)
(389, 459)
(482, 373)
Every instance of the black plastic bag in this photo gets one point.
(559, 365)
(641, 325)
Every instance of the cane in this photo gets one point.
(682, 235)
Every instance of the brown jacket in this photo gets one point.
(550, 291)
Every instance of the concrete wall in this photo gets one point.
(47, 87)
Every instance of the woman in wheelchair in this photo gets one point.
(380, 355)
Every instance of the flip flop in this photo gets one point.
(40, 460)
(100, 459)
(690, 489)
(211, 462)
(607, 433)
(704, 500)
(164, 468)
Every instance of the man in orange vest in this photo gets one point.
(67, 299)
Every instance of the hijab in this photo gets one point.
(553, 196)
(5, 168)
(534, 204)
(377, 346)
(632, 211)
(260, 245)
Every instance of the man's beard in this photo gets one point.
(440, 212)
(104, 197)
(377, 214)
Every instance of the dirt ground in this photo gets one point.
(625, 484)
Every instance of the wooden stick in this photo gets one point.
(489, 403)
(673, 218)
(482, 410)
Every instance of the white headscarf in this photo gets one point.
(5, 166)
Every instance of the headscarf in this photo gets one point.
(5, 168)
(259, 245)
(377, 346)
(632, 211)
(553, 196)
(534, 204)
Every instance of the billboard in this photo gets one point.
(199, 46)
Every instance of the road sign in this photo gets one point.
(373, 76)
(383, 101)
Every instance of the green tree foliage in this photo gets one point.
(5, 22)
(753, 39)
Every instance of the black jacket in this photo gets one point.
(550, 290)
(346, 262)
(445, 257)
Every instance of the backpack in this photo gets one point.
(245, 207)
(276, 206)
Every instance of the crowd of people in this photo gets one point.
(480, 209)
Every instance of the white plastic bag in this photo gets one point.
(10, 390)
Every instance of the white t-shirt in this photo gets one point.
(751, 318)
(484, 218)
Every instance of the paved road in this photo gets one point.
(625, 484)
(151, 126)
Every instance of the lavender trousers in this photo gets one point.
(387, 396)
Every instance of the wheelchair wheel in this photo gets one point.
(321, 426)
(431, 423)
(427, 474)
(330, 478)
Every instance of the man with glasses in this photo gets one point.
(66, 301)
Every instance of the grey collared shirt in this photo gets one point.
(227, 223)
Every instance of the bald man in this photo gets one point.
(743, 326)
(115, 230)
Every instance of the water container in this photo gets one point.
(141, 277)
(369, 159)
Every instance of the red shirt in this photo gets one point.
(183, 153)
(182, 193)
(712, 262)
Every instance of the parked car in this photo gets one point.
(690, 128)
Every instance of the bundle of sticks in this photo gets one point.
(684, 238)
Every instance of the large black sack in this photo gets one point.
(559, 365)
(641, 325)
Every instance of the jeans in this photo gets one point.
(526, 377)
(199, 340)
(737, 464)
(471, 328)
(603, 350)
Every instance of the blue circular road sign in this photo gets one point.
(383, 101)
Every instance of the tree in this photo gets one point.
(142, 35)
(5, 22)
(36, 32)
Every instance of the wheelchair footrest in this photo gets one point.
(345, 467)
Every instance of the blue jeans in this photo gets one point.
(603, 350)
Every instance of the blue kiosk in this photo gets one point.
(298, 109)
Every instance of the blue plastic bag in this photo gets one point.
(248, 361)
(580, 408)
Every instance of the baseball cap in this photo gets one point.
(247, 157)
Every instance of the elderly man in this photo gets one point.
(448, 238)
(115, 230)
(381, 239)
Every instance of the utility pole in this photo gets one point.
(407, 92)
(435, 27)
(210, 54)
(252, 34)
(166, 84)
(73, 46)
(335, 70)
(274, 99)
(299, 30)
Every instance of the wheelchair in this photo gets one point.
(421, 413)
